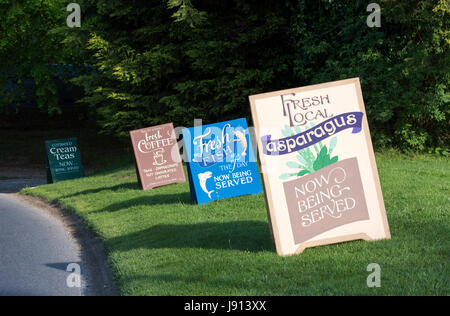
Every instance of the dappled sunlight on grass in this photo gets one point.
(160, 243)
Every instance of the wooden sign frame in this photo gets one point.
(280, 220)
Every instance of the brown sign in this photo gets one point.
(328, 198)
(319, 170)
(158, 160)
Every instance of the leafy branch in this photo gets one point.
(186, 12)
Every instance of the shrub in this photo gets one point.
(27, 51)
(403, 66)
(155, 70)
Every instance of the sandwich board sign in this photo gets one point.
(157, 156)
(319, 171)
(221, 161)
(63, 160)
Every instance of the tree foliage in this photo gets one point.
(164, 62)
(176, 60)
(27, 51)
(404, 65)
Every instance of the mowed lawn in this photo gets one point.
(160, 243)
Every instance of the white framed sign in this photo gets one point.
(319, 171)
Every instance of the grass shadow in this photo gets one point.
(253, 236)
(157, 199)
(118, 187)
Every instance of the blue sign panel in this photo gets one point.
(221, 162)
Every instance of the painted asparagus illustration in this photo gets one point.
(309, 159)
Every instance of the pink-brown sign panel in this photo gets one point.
(320, 176)
(158, 160)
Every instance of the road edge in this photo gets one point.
(98, 276)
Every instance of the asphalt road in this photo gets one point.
(14, 179)
(35, 251)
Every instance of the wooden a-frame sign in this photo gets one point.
(221, 162)
(63, 160)
(157, 156)
(319, 171)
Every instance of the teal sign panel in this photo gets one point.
(63, 160)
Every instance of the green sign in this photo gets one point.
(63, 160)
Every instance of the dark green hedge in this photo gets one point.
(155, 70)
(404, 65)
(177, 60)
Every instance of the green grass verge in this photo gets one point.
(159, 243)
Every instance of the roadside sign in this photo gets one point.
(63, 160)
(221, 161)
(157, 156)
(319, 170)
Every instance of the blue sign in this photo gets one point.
(221, 162)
